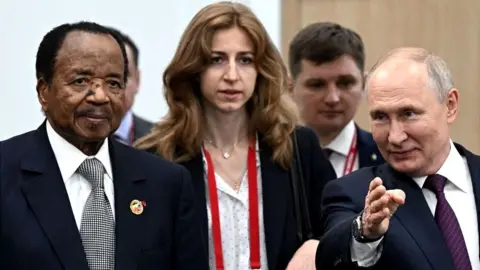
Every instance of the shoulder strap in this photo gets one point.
(300, 199)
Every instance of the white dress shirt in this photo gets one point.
(125, 128)
(234, 222)
(69, 158)
(341, 147)
(459, 194)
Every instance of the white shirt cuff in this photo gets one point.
(366, 254)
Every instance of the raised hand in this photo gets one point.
(380, 205)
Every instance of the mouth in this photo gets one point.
(229, 93)
(401, 154)
(331, 113)
(95, 118)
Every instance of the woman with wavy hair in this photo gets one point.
(230, 123)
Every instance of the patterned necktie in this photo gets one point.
(97, 228)
(448, 223)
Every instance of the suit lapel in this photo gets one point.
(473, 162)
(195, 167)
(276, 187)
(129, 185)
(416, 217)
(368, 154)
(44, 189)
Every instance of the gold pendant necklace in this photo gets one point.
(226, 154)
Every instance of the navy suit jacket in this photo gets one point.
(141, 127)
(38, 229)
(413, 240)
(368, 154)
(279, 221)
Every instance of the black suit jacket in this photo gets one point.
(38, 229)
(141, 127)
(280, 227)
(368, 154)
(413, 240)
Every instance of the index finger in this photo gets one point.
(377, 181)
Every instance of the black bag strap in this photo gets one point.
(300, 199)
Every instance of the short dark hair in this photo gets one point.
(53, 40)
(129, 42)
(325, 42)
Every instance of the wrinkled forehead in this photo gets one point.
(98, 52)
(397, 84)
(398, 73)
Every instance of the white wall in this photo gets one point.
(155, 25)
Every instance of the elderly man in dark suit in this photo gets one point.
(420, 209)
(73, 198)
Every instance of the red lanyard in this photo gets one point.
(352, 153)
(252, 208)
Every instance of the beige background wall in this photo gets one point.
(450, 29)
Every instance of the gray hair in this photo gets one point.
(439, 76)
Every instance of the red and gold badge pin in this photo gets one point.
(137, 207)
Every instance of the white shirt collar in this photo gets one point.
(451, 169)
(125, 127)
(69, 158)
(341, 144)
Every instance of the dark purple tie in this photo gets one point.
(448, 223)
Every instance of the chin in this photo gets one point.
(230, 108)
(95, 137)
(409, 167)
(94, 133)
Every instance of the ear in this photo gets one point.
(42, 93)
(451, 101)
(137, 78)
(364, 80)
(290, 84)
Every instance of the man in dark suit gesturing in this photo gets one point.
(72, 198)
(420, 210)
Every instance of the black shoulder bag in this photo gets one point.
(300, 198)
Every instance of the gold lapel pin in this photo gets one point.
(137, 207)
(374, 156)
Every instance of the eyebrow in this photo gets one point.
(224, 53)
(114, 75)
(347, 76)
(86, 72)
(401, 109)
(375, 112)
(315, 80)
(89, 72)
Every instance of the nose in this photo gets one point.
(396, 134)
(333, 96)
(97, 93)
(231, 73)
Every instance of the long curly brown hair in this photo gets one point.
(179, 135)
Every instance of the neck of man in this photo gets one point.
(327, 137)
(88, 148)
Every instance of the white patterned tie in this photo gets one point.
(97, 228)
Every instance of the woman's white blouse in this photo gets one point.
(234, 222)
